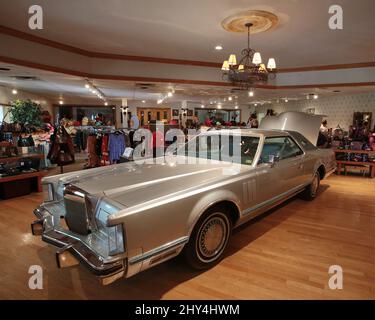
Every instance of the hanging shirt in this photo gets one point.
(116, 147)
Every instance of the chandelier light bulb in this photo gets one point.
(14, 91)
(61, 102)
(257, 59)
(225, 66)
(286, 100)
(143, 101)
(160, 101)
(106, 103)
(232, 60)
(87, 86)
(170, 94)
(202, 106)
(271, 64)
(236, 107)
(251, 93)
(230, 98)
(316, 96)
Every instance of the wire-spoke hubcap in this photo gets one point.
(212, 238)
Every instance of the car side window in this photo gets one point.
(290, 149)
(282, 147)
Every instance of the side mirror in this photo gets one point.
(272, 160)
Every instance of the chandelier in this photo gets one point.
(250, 70)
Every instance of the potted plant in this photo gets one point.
(27, 113)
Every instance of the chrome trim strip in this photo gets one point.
(329, 172)
(272, 200)
(156, 251)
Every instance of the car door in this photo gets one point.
(280, 177)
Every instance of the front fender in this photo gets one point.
(209, 200)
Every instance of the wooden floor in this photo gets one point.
(284, 255)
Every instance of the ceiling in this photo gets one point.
(191, 29)
(55, 86)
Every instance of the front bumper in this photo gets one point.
(107, 269)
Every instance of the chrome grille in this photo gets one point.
(76, 211)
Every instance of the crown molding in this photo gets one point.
(44, 67)
(110, 56)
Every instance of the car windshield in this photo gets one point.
(222, 147)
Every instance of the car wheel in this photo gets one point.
(209, 239)
(312, 189)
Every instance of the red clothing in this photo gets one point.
(157, 139)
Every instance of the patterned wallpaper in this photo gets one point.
(338, 109)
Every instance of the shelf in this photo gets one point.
(22, 156)
(353, 151)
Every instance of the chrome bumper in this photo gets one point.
(72, 248)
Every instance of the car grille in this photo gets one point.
(76, 210)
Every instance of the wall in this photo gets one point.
(6, 97)
(337, 109)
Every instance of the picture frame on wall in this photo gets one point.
(310, 111)
(190, 113)
(175, 112)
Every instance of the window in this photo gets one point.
(305, 143)
(220, 147)
(282, 147)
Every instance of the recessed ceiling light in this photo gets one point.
(219, 47)
(14, 91)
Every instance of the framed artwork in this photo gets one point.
(190, 113)
(175, 112)
(310, 111)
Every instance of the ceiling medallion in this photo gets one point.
(249, 70)
(261, 20)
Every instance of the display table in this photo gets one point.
(344, 163)
(34, 178)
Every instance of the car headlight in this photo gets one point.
(113, 235)
(48, 192)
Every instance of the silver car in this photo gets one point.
(124, 219)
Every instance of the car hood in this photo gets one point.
(130, 183)
(306, 124)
